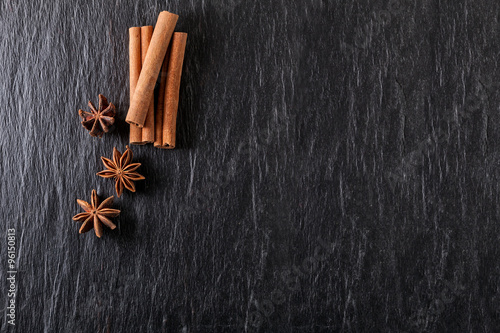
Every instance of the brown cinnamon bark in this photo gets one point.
(135, 64)
(160, 103)
(174, 72)
(144, 91)
(148, 131)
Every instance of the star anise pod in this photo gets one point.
(98, 121)
(96, 214)
(122, 170)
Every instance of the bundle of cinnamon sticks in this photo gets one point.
(152, 53)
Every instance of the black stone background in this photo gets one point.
(336, 169)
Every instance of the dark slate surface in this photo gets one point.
(336, 170)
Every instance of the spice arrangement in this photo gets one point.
(153, 52)
(153, 61)
(149, 58)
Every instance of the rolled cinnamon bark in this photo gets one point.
(160, 104)
(174, 72)
(135, 64)
(148, 131)
(164, 28)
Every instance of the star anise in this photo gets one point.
(122, 170)
(96, 214)
(98, 121)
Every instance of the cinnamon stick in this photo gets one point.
(163, 31)
(160, 104)
(148, 131)
(174, 72)
(135, 64)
